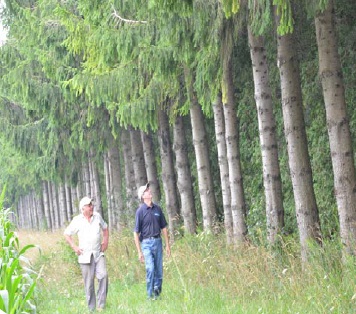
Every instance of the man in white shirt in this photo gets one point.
(88, 226)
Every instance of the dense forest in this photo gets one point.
(239, 113)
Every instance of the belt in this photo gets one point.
(155, 237)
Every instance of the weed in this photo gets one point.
(204, 275)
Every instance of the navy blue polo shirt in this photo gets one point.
(149, 221)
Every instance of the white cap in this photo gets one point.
(84, 201)
(142, 190)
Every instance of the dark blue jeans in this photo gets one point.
(152, 252)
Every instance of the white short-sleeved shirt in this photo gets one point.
(89, 235)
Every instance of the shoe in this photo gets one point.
(99, 309)
(156, 293)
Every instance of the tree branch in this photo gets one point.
(121, 19)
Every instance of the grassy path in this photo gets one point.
(202, 276)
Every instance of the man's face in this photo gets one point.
(88, 210)
(147, 194)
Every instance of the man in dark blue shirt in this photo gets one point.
(149, 224)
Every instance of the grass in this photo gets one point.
(204, 275)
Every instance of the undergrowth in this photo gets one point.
(203, 275)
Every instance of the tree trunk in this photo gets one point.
(18, 217)
(219, 122)
(79, 189)
(51, 208)
(46, 205)
(69, 200)
(95, 183)
(205, 181)
(168, 174)
(62, 205)
(54, 201)
(338, 126)
(33, 210)
(268, 139)
(138, 159)
(116, 186)
(109, 191)
(131, 189)
(297, 145)
(86, 180)
(238, 203)
(184, 178)
(25, 212)
(75, 200)
(150, 162)
(42, 225)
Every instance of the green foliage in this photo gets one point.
(230, 7)
(260, 16)
(315, 7)
(17, 282)
(285, 14)
(346, 27)
(71, 72)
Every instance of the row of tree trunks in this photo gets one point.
(49, 210)
(58, 203)
(32, 214)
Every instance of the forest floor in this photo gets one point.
(203, 275)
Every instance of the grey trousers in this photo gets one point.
(90, 271)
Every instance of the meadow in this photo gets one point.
(203, 275)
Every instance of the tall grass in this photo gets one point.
(203, 275)
(17, 279)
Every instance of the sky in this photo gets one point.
(2, 31)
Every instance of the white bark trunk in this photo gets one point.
(168, 173)
(219, 122)
(184, 179)
(268, 139)
(297, 145)
(338, 126)
(151, 168)
(131, 189)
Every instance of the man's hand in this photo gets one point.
(141, 257)
(77, 250)
(105, 242)
(168, 250)
(104, 246)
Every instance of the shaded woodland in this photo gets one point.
(238, 113)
